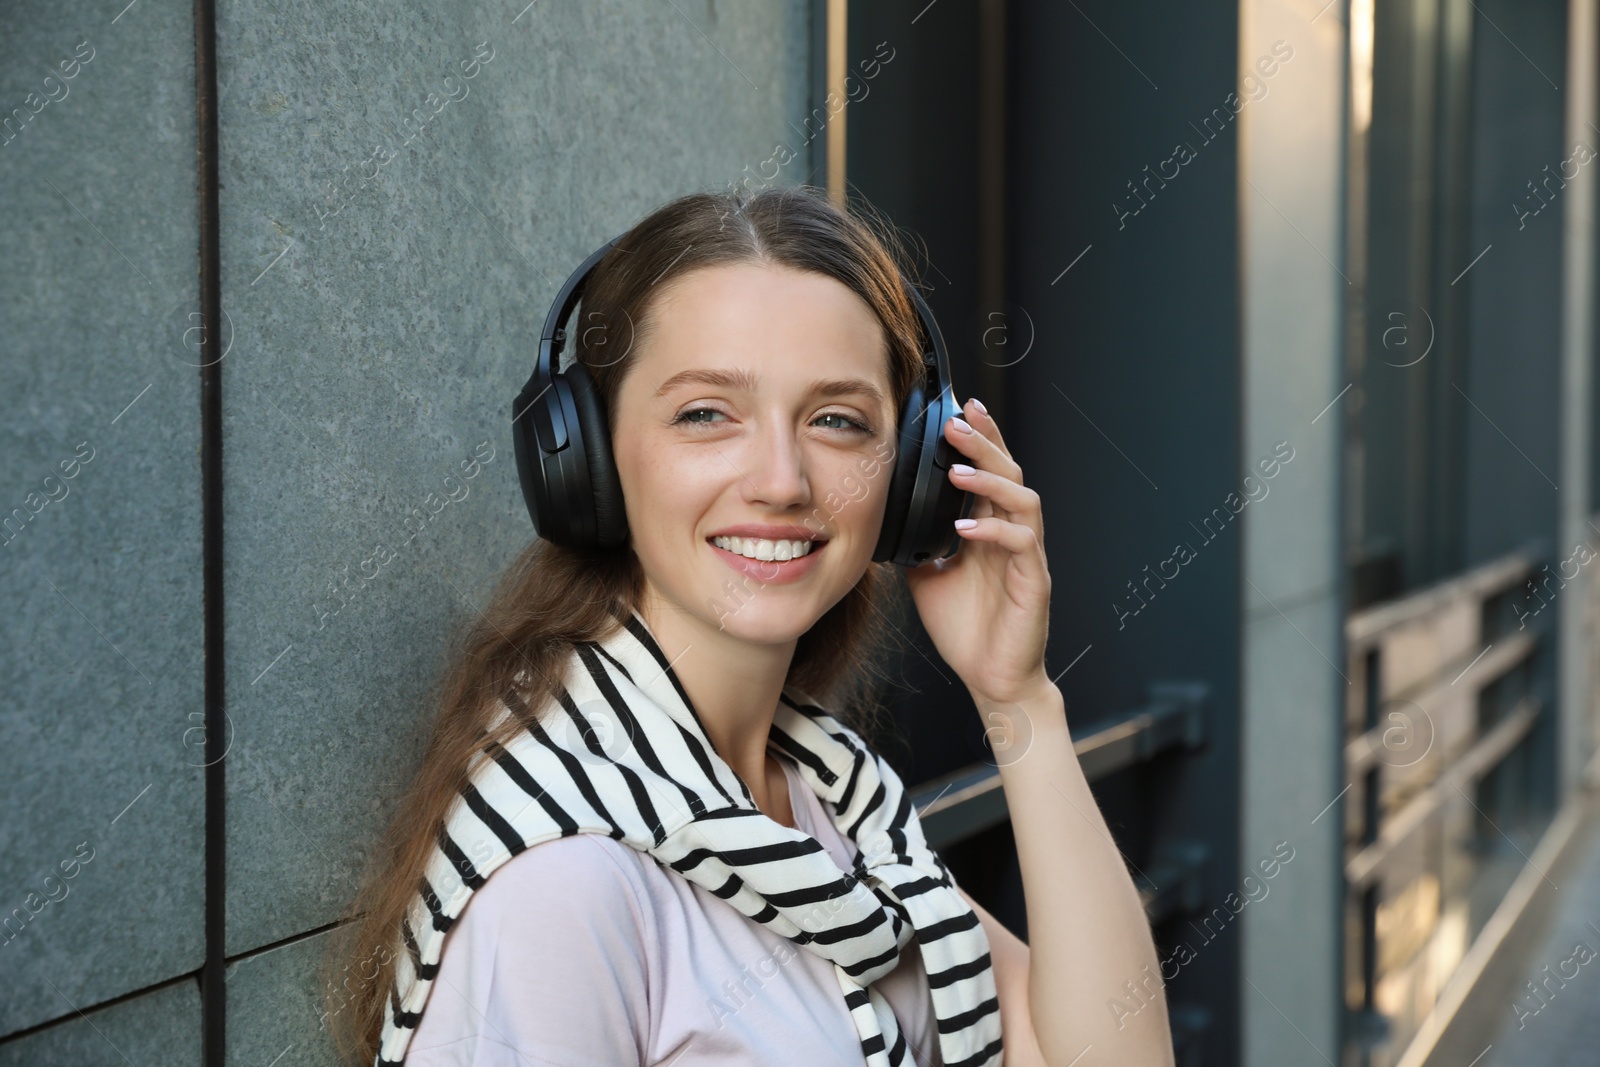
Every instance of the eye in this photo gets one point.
(850, 424)
(683, 416)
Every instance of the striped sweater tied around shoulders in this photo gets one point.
(625, 755)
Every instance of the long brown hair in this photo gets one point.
(553, 596)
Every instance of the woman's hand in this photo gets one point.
(987, 607)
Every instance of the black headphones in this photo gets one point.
(569, 479)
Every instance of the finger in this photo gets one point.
(1023, 544)
(1015, 499)
(980, 420)
(983, 452)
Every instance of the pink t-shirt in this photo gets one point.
(585, 952)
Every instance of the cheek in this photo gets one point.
(664, 495)
(855, 492)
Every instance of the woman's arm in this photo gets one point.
(1087, 927)
(987, 609)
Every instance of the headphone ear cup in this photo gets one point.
(937, 504)
(908, 456)
(611, 518)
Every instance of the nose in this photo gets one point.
(776, 475)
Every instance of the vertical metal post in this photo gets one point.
(1575, 730)
(991, 206)
(837, 38)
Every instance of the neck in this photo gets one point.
(734, 686)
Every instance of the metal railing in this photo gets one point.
(968, 801)
(1440, 701)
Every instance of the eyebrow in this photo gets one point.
(746, 380)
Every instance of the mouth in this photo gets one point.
(764, 550)
(769, 561)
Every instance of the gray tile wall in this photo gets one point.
(275, 1006)
(383, 349)
(392, 233)
(158, 1027)
(100, 642)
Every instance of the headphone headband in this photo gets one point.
(554, 333)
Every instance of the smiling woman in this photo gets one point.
(678, 793)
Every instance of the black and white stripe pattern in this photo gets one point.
(627, 756)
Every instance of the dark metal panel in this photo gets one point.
(1128, 411)
(1116, 352)
(1512, 380)
(913, 143)
(1513, 373)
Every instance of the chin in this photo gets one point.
(776, 621)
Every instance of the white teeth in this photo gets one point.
(758, 548)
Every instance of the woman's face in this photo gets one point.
(759, 412)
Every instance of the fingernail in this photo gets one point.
(961, 424)
(975, 402)
(961, 468)
(966, 524)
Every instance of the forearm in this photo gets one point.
(1087, 929)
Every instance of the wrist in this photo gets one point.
(1037, 692)
(1037, 712)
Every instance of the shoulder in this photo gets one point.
(594, 858)
(584, 887)
(553, 958)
